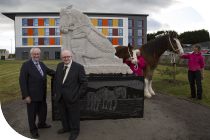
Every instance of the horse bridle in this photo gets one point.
(173, 60)
(136, 66)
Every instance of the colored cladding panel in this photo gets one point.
(41, 41)
(115, 22)
(30, 31)
(94, 22)
(60, 33)
(142, 41)
(104, 22)
(132, 23)
(105, 31)
(115, 41)
(60, 41)
(142, 23)
(40, 31)
(51, 41)
(52, 31)
(115, 32)
(30, 41)
(40, 22)
(142, 32)
(51, 22)
(30, 22)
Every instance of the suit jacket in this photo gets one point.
(75, 84)
(31, 81)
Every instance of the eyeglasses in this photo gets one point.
(64, 57)
(36, 53)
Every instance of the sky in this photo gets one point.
(178, 15)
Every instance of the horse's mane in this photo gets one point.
(120, 51)
(152, 47)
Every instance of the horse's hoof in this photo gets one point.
(152, 93)
(147, 95)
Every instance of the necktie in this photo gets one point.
(64, 71)
(39, 69)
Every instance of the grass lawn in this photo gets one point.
(10, 89)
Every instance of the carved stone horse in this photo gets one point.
(151, 53)
(124, 52)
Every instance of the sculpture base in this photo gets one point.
(107, 69)
(110, 96)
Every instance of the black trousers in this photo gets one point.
(70, 115)
(36, 108)
(192, 77)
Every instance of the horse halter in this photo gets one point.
(130, 54)
(173, 60)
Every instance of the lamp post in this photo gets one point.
(11, 48)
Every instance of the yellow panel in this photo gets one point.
(40, 31)
(30, 41)
(115, 22)
(60, 41)
(51, 22)
(105, 31)
(94, 22)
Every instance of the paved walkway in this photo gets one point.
(165, 118)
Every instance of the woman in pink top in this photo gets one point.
(137, 68)
(195, 68)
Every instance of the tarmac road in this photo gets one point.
(165, 118)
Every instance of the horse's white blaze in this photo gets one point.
(150, 87)
(181, 51)
(146, 91)
(134, 61)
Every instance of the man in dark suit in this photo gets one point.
(70, 84)
(33, 84)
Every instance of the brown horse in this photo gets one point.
(124, 52)
(151, 52)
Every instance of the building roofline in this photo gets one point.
(12, 15)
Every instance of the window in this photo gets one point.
(120, 41)
(110, 32)
(139, 41)
(120, 32)
(57, 41)
(109, 22)
(99, 22)
(140, 32)
(100, 29)
(46, 31)
(57, 55)
(35, 22)
(57, 20)
(25, 42)
(57, 31)
(46, 41)
(24, 32)
(140, 23)
(120, 23)
(130, 32)
(130, 40)
(130, 23)
(111, 40)
(35, 41)
(24, 55)
(46, 22)
(35, 31)
(91, 20)
(24, 22)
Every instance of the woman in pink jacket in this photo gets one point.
(137, 68)
(195, 68)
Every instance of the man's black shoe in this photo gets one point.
(45, 126)
(35, 135)
(62, 131)
(191, 97)
(196, 99)
(73, 136)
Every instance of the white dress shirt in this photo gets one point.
(67, 70)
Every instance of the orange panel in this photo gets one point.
(104, 22)
(115, 41)
(40, 22)
(51, 41)
(30, 31)
(60, 33)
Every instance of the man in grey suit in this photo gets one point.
(70, 83)
(33, 84)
